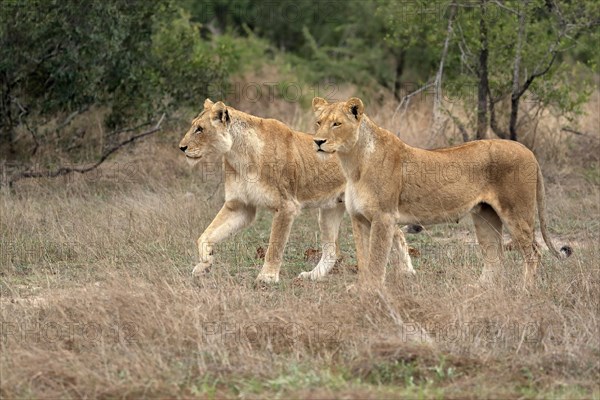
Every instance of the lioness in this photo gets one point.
(267, 164)
(388, 182)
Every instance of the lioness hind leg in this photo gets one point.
(524, 241)
(361, 229)
(280, 232)
(488, 228)
(521, 225)
(329, 224)
(399, 256)
(232, 217)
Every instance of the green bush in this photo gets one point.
(135, 59)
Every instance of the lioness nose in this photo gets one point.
(183, 148)
(319, 142)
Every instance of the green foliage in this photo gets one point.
(141, 58)
(329, 40)
(134, 58)
(561, 27)
(50, 50)
(183, 61)
(280, 22)
(418, 28)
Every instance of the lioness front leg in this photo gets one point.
(280, 232)
(329, 224)
(400, 256)
(232, 217)
(380, 245)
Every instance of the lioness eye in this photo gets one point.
(318, 123)
(198, 129)
(336, 124)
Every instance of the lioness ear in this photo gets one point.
(318, 103)
(355, 107)
(219, 113)
(208, 104)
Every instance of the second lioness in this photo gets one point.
(499, 182)
(267, 164)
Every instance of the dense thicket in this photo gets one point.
(138, 59)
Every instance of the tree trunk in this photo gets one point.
(437, 98)
(483, 87)
(514, 111)
(517, 92)
(493, 123)
(398, 79)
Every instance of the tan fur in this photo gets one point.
(266, 164)
(498, 181)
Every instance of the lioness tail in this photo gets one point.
(565, 251)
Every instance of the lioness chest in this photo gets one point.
(250, 192)
(357, 201)
(364, 202)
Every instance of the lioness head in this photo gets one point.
(208, 137)
(337, 124)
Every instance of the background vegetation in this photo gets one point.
(96, 298)
(134, 61)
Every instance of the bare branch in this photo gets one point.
(465, 51)
(406, 99)
(518, 48)
(123, 130)
(576, 132)
(482, 74)
(458, 123)
(516, 93)
(67, 170)
(493, 123)
(70, 118)
(538, 71)
(502, 6)
(537, 74)
(437, 102)
(33, 133)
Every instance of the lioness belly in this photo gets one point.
(443, 213)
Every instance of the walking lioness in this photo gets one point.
(389, 182)
(267, 164)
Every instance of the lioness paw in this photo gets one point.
(268, 278)
(310, 275)
(201, 269)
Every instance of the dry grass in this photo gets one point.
(97, 300)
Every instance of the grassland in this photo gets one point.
(97, 300)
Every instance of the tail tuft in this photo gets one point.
(566, 251)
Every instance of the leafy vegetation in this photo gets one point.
(137, 60)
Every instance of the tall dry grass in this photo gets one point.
(97, 299)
